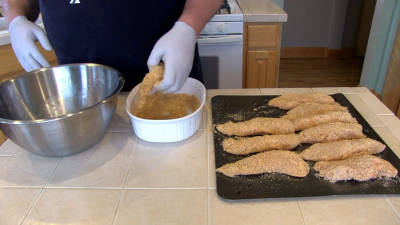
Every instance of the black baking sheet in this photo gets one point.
(275, 185)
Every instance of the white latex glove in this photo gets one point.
(176, 49)
(23, 34)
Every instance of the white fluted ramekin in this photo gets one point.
(171, 130)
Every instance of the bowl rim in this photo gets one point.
(169, 120)
(121, 81)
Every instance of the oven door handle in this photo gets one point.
(221, 39)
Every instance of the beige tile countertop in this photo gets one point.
(123, 180)
(261, 11)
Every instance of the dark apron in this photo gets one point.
(117, 33)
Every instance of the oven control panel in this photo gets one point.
(215, 28)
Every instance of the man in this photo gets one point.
(129, 35)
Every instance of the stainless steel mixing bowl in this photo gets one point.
(60, 110)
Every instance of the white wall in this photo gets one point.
(318, 23)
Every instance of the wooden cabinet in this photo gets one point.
(261, 55)
(9, 65)
(261, 68)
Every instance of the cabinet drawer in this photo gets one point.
(263, 35)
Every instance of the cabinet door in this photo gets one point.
(10, 67)
(262, 69)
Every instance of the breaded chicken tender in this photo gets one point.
(277, 161)
(332, 132)
(291, 100)
(150, 79)
(360, 168)
(342, 149)
(312, 108)
(244, 146)
(258, 125)
(318, 119)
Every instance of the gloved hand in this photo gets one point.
(23, 34)
(176, 49)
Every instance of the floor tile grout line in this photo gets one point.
(301, 212)
(121, 198)
(392, 206)
(33, 205)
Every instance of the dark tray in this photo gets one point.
(275, 185)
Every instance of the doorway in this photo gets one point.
(324, 42)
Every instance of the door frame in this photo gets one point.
(381, 39)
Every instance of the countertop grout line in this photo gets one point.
(84, 188)
(208, 208)
(168, 188)
(385, 114)
(106, 188)
(32, 206)
(21, 187)
(125, 181)
(301, 211)
(121, 198)
(208, 170)
(53, 172)
(392, 206)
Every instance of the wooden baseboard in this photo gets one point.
(398, 111)
(316, 52)
(376, 94)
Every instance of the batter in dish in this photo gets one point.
(163, 106)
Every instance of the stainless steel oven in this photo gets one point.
(221, 48)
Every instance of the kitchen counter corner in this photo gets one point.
(262, 11)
